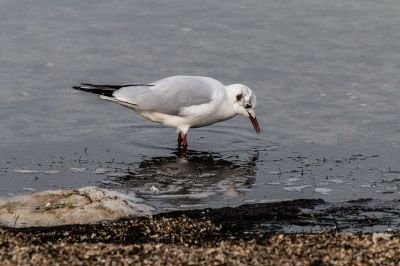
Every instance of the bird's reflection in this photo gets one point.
(190, 178)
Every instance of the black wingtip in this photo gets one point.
(102, 89)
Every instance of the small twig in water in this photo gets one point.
(16, 219)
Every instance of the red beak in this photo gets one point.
(255, 123)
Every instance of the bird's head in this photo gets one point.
(244, 103)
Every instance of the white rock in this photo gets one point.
(377, 236)
(69, 206)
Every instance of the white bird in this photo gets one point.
(182, 102)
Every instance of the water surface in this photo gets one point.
(325, 74)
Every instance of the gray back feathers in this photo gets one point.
(171, 94)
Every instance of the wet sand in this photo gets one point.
(227, 236)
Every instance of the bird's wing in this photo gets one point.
(171, 95)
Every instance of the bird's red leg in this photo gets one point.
(180, 139)
(184, 141)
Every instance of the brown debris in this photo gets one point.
(185, 241)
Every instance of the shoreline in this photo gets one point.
(227, 236)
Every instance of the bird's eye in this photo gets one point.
(239, 97)
(248, 106)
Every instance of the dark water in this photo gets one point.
(326, 77)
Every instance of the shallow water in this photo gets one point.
(325, 74)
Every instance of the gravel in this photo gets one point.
(182, 240)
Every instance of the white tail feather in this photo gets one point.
(108, 98)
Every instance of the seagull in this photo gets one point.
(182, 102)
